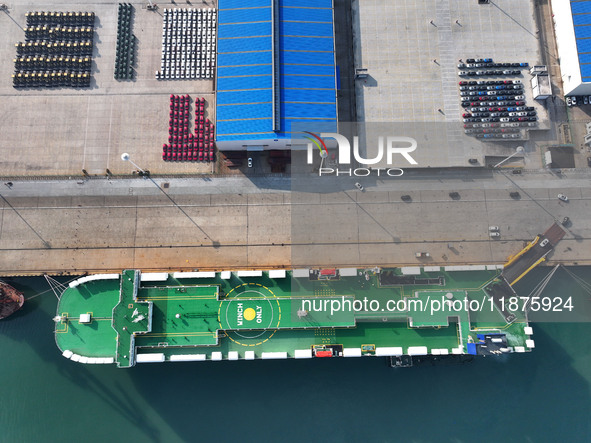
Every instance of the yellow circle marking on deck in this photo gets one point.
(278, 319)
(249, 314)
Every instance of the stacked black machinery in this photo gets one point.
(57, 51)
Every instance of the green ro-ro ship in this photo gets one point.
(398, 313)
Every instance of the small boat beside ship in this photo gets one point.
(11, 300)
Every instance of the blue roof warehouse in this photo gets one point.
(572, 24)
(275, 69)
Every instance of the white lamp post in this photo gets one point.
(519, 150)
(126, 158)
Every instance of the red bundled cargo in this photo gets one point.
(323, 354)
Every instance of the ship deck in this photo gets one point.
(215, 316)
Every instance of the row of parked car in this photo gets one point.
(476, 63)
(489, 72)
(498, 136)
(473, 128)
(494, 109)
(498, 112)
(577, 100)
(496, 116)
(498, 109)
(481, 122)
(491, 65)
(498, 103)
(492, 95)
(496, 86)
(492, 130)
(498, 133)
(490, 87)
(488, 82)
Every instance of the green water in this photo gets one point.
(542, 396)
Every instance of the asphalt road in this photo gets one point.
(259, 222)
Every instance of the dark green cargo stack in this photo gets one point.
(124, 57)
